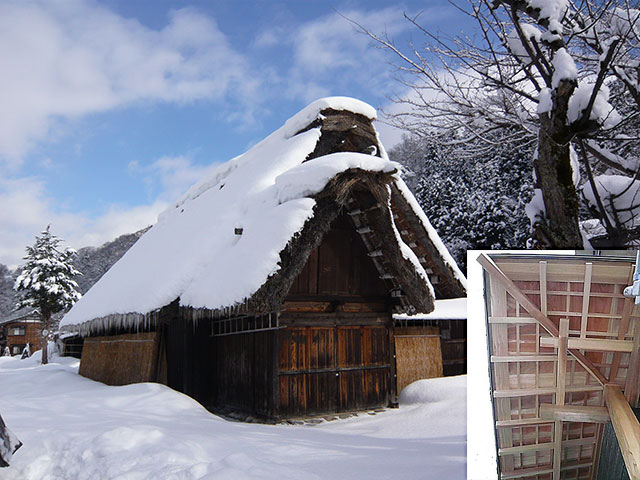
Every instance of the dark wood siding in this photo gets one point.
(190, 358)
(333, 369)
(611, 465)
(340, 266)
(245, 372)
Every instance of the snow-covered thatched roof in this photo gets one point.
(20, 315)
(223, 241)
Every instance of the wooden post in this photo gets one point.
(501, 371)
(561, 377)
(632, 385)
(626, 427)
(586, 291)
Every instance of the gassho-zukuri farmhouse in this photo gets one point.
(269, 288)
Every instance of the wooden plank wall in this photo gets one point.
(190, 358)
(120, 359)
(611, 461)
(333, 369)
(245, 372)
(339, 266)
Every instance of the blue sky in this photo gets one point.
(110, 110)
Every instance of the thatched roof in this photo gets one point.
(21, 315)
(237, 240)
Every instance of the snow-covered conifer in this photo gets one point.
(46, 281)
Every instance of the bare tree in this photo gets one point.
(554, 71)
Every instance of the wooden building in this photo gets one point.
(565, 361)
(313, 333)
(432, 344)
(19, 329)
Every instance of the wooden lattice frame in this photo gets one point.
(560, 334)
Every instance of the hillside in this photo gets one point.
(93, 262)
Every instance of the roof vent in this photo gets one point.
(238, 230)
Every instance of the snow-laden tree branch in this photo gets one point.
(563, 74)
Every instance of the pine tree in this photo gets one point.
(45, 282)
(474, 194)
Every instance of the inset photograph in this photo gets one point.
(554, 365)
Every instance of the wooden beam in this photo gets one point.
(547, 324)
(632, 384)
(522, 422)
(534, 471)
(536, 447)
(523, 358)
(586, 290)
(561, 372)
(512, 320)
(497, 274)
(622, 332)
(500, 346)
(561, 379)
(626, 427)
(591, 344)
(543, 287)
(574, 413)
(523, 392)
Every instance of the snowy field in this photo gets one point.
(75, 428)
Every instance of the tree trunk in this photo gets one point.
(555, 175)
(46, 320)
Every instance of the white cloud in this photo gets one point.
(27, 209)
(332, 42)
(330, 51)
(63, 60)
(167, 178)
(269, 38)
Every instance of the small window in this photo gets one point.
(17, 349)
(18, 330)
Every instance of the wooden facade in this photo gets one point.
(330, 349)
(317, 336)
(22, 330)
(564, 344)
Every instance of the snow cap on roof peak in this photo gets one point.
(310, 113)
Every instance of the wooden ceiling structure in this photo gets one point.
(564, 347)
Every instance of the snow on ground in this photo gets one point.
(75, 428)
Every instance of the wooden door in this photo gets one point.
(333, 369)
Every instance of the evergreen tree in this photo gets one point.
(45, 282)
(474, 194)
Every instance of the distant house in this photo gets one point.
(269, 288)
(19, 329)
